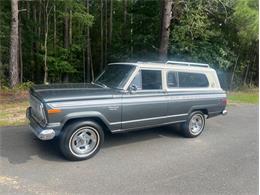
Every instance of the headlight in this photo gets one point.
(42, 114)
(41, 111)
(38, 111)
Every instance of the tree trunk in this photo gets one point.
(14, 73)
(28, 9)
(91, 65)
(105, 50)
(66, 30)
(47, 13)
(251, 78)
(247, 70)
(88, 48)
(39, 19)
(165, 28)
(66, 35)
(111, 22)
(34, 46)
(54, 28)
(20, 54)
(125, 11)
(101, 37)
(45, 44)
(233, 74)
(1, 64)
(131, 31)
(250, 56)
(39, 42)
(70, 29)
(84, 64)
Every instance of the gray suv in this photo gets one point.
(125, 97)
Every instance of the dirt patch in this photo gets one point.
(13, 96)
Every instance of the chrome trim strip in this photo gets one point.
(147, 119)
(194, 97)
(177, 89)
(143, 127)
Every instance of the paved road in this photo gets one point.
(223, 160)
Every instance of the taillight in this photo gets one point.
(224, 101)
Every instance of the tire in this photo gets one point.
(81, 140)
(194, 126)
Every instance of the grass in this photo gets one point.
(246, 97)
(12, 114)
(13, 104)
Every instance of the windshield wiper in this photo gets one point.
(100, 84)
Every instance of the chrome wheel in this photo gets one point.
(84, 141)
(196, 124)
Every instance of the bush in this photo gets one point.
(20, 87)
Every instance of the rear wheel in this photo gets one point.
(81, 140)
(195, 124)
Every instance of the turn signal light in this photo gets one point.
(54, 111)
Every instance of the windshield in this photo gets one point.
(115, 76)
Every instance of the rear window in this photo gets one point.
(187, 79)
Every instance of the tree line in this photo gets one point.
(50, 41)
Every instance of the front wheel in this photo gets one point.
(81, 140)
(195, 124)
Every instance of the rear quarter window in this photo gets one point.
(187, 79)
(172, 80)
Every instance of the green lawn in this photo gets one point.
(13, 113)
(13, 104)
(250, 97)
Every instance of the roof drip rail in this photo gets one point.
(187, 64)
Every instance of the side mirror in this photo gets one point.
(132, 88)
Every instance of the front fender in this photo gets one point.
(87, 114)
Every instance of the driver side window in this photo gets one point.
(148, 80)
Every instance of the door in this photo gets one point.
(146, 103)
(177, 107)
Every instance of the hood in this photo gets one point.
(63, 92)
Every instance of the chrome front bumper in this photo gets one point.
(40, 132)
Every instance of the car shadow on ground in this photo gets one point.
(19, 145)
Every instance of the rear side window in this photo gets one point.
(172, 79)
(187, 79)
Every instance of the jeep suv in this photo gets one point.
(125, 97)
